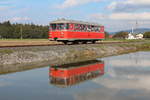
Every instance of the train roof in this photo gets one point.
(75, 22)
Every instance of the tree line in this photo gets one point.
(123, 35)
(26, 31)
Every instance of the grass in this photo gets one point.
(6, 51)
(112, 39)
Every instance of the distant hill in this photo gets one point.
(139, 30)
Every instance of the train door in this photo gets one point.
(102, 29)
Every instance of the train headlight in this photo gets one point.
(50, 35)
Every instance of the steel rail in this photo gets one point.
(13, 46)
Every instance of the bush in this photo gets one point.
(121, 35)
(147, 35)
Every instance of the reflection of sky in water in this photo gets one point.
(127, 77)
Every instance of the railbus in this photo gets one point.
(65, 31)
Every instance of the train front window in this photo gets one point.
(59, 26)
(53, 26)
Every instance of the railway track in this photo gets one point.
(13, 46)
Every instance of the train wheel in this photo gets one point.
(84, 42)
(93, 42)
(75, 42)
(65, 42)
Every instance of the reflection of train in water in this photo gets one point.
(67, 75)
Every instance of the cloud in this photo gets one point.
(17, 19)
(4, 8)
(123, 16)
(129, 5)
(131, 16)
(99, 16)
(126, 78)
(136, 82)
(121, 21)
(6, 5)
(125, 63)
(71, 3)
(4, 83)
(2, 2)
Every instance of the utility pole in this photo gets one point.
(132, 30)
(21, 36)
(136, 25)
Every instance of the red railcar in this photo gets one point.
(75, 31)
(67, 75)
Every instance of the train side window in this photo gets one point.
(96, 29)
(88, 28)
(71, 26)
(77, 27)
(81, 27)
(67, 26)
(92, 28)
(99, 29)
(84, 28)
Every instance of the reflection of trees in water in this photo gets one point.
(16, 68)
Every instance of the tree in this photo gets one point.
(106, 35)
(121, 35)
(6, 29)
(147, 35)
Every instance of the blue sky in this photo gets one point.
(115, 15)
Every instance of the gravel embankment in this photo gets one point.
(13, 58)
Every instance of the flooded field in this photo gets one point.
(124, 77)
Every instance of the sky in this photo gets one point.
(115, 15)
